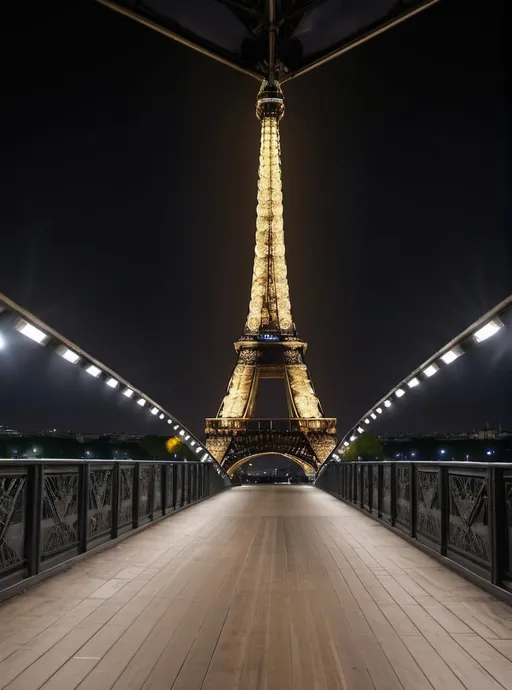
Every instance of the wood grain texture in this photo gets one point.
(259, 588)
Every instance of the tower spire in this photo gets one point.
(269, 306)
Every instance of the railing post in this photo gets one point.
(115, 500)
(412, 498)
(497, 522)
(83, 506)
(380, 485)
(135, 495)
(174, 486)
(393, 494)
(163, 487)
(151, 490)
(35, 488)
(444, 500)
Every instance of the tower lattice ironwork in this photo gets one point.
(270, 347)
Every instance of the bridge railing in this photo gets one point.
(460, 511)
(52, 511)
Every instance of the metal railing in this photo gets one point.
(293, 424)
(461, 511)
(52, 511)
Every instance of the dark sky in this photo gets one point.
(129, 169)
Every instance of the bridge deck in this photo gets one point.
(271, 588)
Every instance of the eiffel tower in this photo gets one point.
(270, 347)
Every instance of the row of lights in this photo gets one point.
(42, 338)
(481, 334)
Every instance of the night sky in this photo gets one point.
(129, 169)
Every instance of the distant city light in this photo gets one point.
(431, 370)
(154, 410)
(141, 402)
(442, 451)
(488, 330)
(451, 355)
(112, 382)
(93, 370)
(69, 355)
(399, 393)
(413, 382)
(128, 392)
(32, 332)
(387, 403)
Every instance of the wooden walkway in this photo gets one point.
(259, 588)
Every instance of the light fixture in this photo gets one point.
(141, 402)
(488, 330)
(346, 444)
(431, 370)
(399, 392)
(176, 426)
(413, 382)
(93, 370)
(187, 437)
(353, 438)
(387, 403)
(379, 410)
(32, 332)
(2, 342)
(154, 410)
(373, 415)
(161, 416)
(360, 429)
(68, 355)
(192, 443)
(182, 433)
(169, 421)
(112, 382)
(198, 449)
(451, 355)
(367, 421)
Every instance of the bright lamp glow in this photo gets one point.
(141, 402)
(2, 343)
(379, 410)
(399, 393)
(346, 444)
(373, 415)
(161, 416)
(387, 403)
(413, 382)
(431, 370)
(360, 429)
(112, 382)
(353, 438)
(367, 421)
(187, 437)
(192, 443)
(198, 449)
(93, 371)
(488, 330)
(33, 333)
(176, 426)
(182, 433)
(154, 410)
(128, 392)
(451, 355)
(69, 356)
(169, 421)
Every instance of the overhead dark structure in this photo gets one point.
(271, 39)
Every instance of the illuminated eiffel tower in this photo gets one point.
(270, 347)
